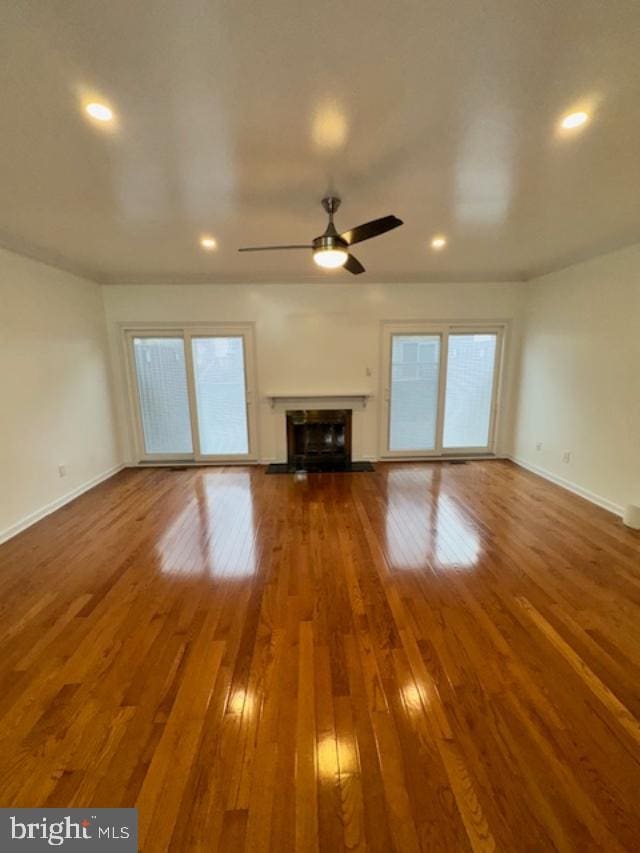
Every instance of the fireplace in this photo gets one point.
(319, 440)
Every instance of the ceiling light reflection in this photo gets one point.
(347, 756)
(337, 756)
(327, 758)
(412, 701)
(240, 701)
(329, 128)
(484, 170)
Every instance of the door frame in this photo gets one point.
(187, 331)
(442, 328)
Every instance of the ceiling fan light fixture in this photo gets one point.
(331, 249)
(330, 259)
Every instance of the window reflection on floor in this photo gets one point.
(216, 534)
(457, 540)
(424, 526)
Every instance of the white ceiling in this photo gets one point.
(235, 117)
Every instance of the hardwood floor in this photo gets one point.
(433, 657)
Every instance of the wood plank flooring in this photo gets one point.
(433, 657)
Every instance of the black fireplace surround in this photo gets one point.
(319, 440)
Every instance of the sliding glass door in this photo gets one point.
(191, 393)
(471, 374)
(440, 389)
(415, 378)
(221, 395)
(163, 398)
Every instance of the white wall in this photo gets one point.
(316, 337)
(55, 401)
(579, 388)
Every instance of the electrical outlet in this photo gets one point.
(62, 470)
(538, 445)
(566, 456)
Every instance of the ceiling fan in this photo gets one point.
(331, 249)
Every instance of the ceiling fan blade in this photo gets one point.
(353, 265)
(371, 229)
(272, 248)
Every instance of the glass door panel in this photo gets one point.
(221, 396)
(162, 395)
(471, 361)
(413, 403)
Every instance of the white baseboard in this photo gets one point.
(569, 486)
(188, 463)
(30, 519)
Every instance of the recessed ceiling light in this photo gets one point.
(439, 242)
(573, 120)
(100, 112)
(208, 243)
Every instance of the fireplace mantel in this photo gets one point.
(360, 396)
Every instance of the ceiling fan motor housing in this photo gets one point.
(329, 242)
